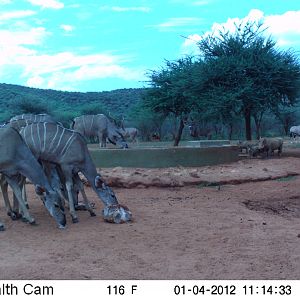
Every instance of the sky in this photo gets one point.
(75, 45)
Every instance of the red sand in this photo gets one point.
(235, 231)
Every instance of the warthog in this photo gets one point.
(294, 131)
(268, 146)
(247, 146)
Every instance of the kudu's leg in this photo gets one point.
(70, 188)
(87, 203)
(102, 140)
(18, 193)
(23, 187)
(16, 207)
(9, 210)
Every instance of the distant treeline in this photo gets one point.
(64, 106)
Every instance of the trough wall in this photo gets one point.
(164, 157)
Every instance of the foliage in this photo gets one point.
(169, 94)
(239, 74)
(245, 74)
(15, 99)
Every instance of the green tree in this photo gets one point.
(28, 105)
(147, 121)
(246, 73)
(169, 92)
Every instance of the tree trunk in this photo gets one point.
(179, 133)
(257, 128)
(247, 116)
(230, 131)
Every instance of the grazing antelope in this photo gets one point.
(15, 159)
(33, 118)
(20, 121)
(67, 148)
(100, 126)
(131, 133)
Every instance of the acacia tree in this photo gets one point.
(170, 91)
(249, 70)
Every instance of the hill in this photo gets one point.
(16, 99)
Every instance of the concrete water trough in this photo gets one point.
(164, 157)
(208, 143)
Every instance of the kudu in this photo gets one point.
(67, 148)
(16, 158)
(100, 126)
(20, 121)
(131, 133)
(33, 118)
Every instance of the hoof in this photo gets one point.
(80, 207)
(2, 228)
(92, 214)
(12, 215)
(75, 220)
(27, 206)
(17, 215)
(32, 222)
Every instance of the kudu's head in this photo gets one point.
(116, 137)
(113, 211)
(116, 132)
(53, 204)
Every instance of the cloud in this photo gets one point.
(4, 2)
(54, 4)
(189, 46)
(67, 28)
(178, 22)
(284, 28)
(9, 38)
(67, 69)
(18, 14)
(19, 58)
(189, 2)
(201, 3)
(126, 9)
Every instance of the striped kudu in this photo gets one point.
(33, 118)
(67, 148)
(131, 133)
(15, 159)
(100, 126)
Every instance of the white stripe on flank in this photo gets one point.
(83, 125)
(57, 146)
(67, 145)
(92, 124)
(49, 150)
(24, 135)
(39, 138)
(33, 141)
(45, 130)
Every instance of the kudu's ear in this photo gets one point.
(98, 182)
(39, 190)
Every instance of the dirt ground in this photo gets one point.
(235, 221)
